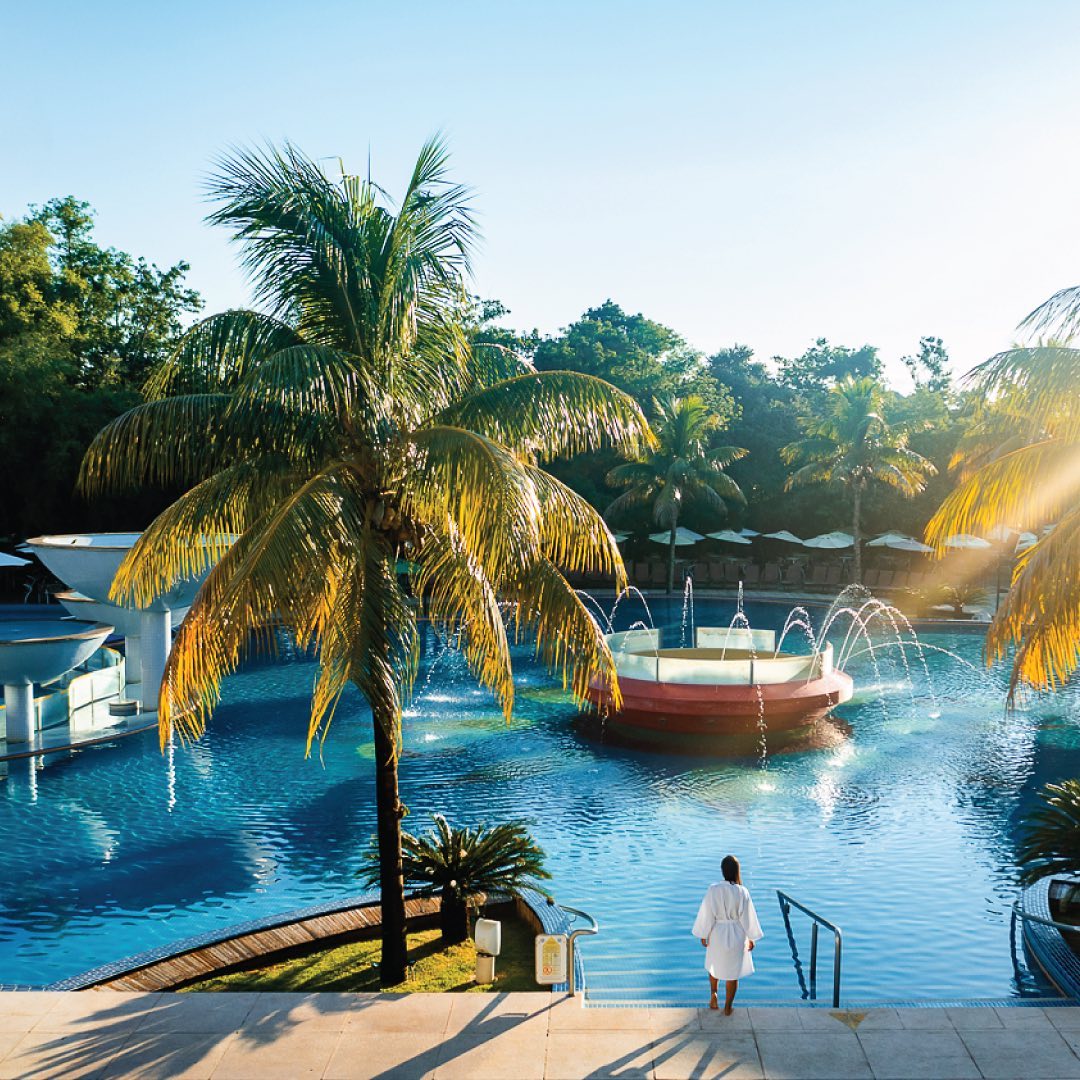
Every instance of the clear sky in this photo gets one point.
(760, 172)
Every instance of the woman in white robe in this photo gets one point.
(727, 926)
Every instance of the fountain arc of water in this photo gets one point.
(628, 593)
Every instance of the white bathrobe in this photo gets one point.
(728, 921)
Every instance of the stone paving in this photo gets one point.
(516, 1037)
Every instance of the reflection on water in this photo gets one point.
(903, 832)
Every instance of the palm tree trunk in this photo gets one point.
(389, 812)
(453, 918)
(856, 532)
(671, 555)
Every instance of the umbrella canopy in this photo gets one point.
(783, 534)
(683, 537)
(831, 540)
(729, 536)
(749, 532)
(906, 543)
(620, 537)
(12, 560)
(884, 538)
(966, 542)
(1026, 540)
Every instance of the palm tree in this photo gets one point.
(1051, 840)
(682, 469)
(344, 425)
(457, 864)
(854, 445)
(1021, 469)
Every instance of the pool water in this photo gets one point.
(904, 834)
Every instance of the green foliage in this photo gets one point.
(348, 425)
(823, 366)
(766, 419)
(684, 470)
(354, 968)
(80, 325)
(929, 367)
(128, 313)
(1051, 833)
(638, 355)
(965, 594)
(850, 443)
(459, 864)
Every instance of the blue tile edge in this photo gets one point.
(553, 920)
(1046, 944)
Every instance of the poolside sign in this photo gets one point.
(550, 959)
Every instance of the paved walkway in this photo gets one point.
(515, 1037)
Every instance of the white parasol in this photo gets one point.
(966, 542)
(783, 534)
(683, 537)
(729, 536)
(831, 541)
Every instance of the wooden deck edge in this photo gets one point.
(261, 946)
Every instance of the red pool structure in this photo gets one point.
(724, 694)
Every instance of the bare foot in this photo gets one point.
(727, 1010)
(713, 1004)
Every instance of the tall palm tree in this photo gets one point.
(682, 469)
(854, 445)
(347, 424)
(1021, 469)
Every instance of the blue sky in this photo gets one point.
(762, 172)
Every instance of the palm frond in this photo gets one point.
(173, 442)
(1041, 385)
(483, 488)
(573, 535)
(1058, 316)
(461, 603)
(723, 456)
(569, 641)
(217, 352)
(275, 572)
(1051, 833)
(1027, 486)
(194, 532)
(1040, 614)
(550, 413)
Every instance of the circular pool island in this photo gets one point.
(722, 694)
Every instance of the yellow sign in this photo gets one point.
(551, 953)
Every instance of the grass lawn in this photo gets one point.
(431, 968)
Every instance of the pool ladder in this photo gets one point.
(786, 904)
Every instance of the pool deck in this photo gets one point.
(525, 1036)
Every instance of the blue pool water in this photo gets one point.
(904, 835)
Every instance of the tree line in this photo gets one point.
(82, 325)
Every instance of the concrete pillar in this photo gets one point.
(133, 658)
(19, 712)
(155, 638)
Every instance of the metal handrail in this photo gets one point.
(786, 904)
(571, 938)
(1066, 928)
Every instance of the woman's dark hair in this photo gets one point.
(730, 869)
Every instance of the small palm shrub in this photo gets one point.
(960, 596)
(1051, 838)
(456, 864)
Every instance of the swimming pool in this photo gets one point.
(904, 834)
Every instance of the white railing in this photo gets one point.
(635, 658)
